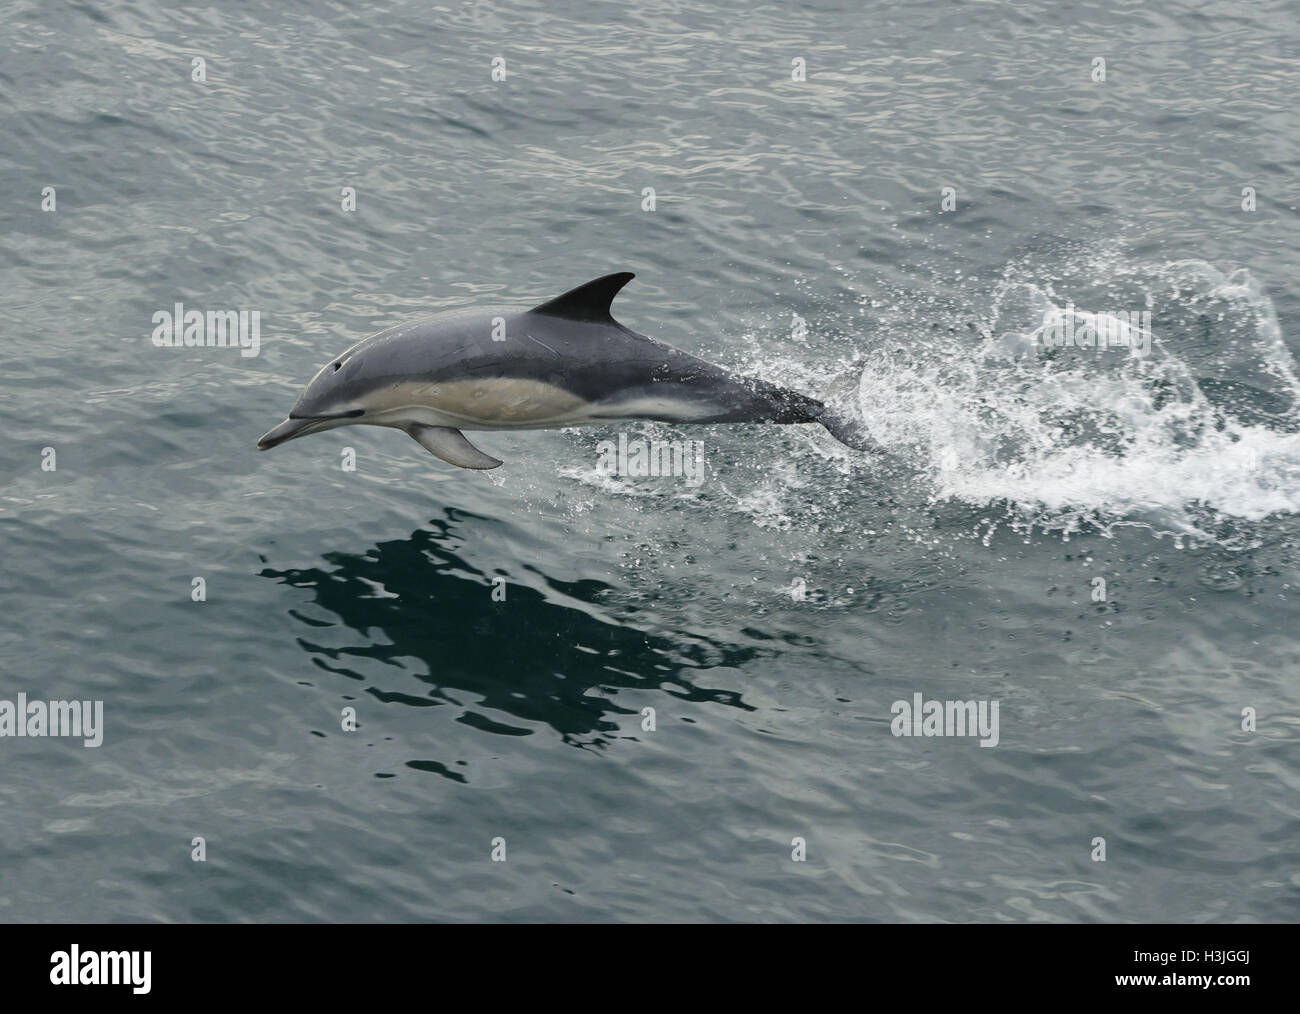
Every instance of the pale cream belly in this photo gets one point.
(477, 404)
(512, 403)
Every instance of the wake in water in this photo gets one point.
(1200, 431)
(1184, 419)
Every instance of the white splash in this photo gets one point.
(1074, 435)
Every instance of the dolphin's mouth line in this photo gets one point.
(299, 425)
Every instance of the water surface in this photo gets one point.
(961, 565)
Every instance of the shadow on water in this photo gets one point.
(532, 658)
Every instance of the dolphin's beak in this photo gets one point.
(301, 425)
(287, 430)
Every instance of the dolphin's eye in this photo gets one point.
(336, 367)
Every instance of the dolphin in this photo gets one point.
(567, 362)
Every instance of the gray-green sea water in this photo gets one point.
(1103, 543)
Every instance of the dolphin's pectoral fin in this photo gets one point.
(451, 445)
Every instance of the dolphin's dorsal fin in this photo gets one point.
(590, 302)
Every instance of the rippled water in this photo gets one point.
(960, 565)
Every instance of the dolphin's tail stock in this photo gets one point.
(837, 412)
(849, 428)
(842, 416)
